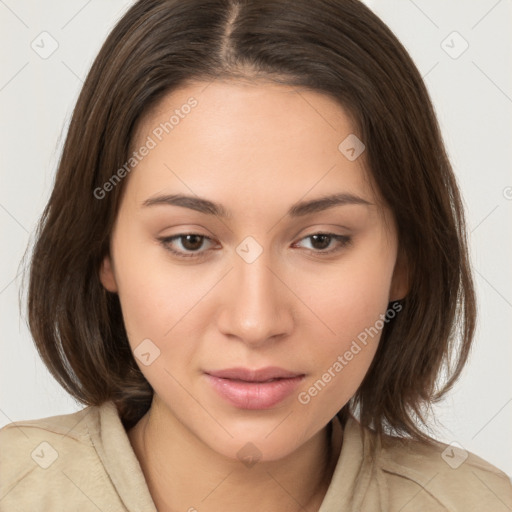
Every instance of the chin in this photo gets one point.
(251, 443)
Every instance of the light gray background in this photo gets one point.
(472, 95)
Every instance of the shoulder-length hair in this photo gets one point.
(336, 47)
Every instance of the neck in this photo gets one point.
(183, 473)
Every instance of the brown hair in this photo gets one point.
(336, 47)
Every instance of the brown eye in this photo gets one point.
(321, 241)
(190, 243)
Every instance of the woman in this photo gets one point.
(252, 271)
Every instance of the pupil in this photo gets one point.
(325, 238)
(192, 246)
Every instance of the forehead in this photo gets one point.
(250, 141)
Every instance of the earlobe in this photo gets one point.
(400, 281)
(107, 276)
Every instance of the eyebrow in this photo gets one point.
(299, 209)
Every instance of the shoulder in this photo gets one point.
(444, 476)
(39, 440)
(44, 458)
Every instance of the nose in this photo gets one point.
(258, 305)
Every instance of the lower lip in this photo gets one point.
(254, 395)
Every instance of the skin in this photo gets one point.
(256, 148)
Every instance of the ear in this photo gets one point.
(107, 276)
(400, 280)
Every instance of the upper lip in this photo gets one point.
(256, 375)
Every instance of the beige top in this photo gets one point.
(84, 461)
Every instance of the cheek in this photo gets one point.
(352, 296)
(351, 303)
(154, 294)
(156, 306)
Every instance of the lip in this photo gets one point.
(254, 389)
(257, 375)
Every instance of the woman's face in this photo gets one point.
(260, 286)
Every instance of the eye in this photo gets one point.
(321, 241)
(189, 242)
(192, 242)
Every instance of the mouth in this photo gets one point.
(266, 374)
(254, 389)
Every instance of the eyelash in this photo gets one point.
(165, 241)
